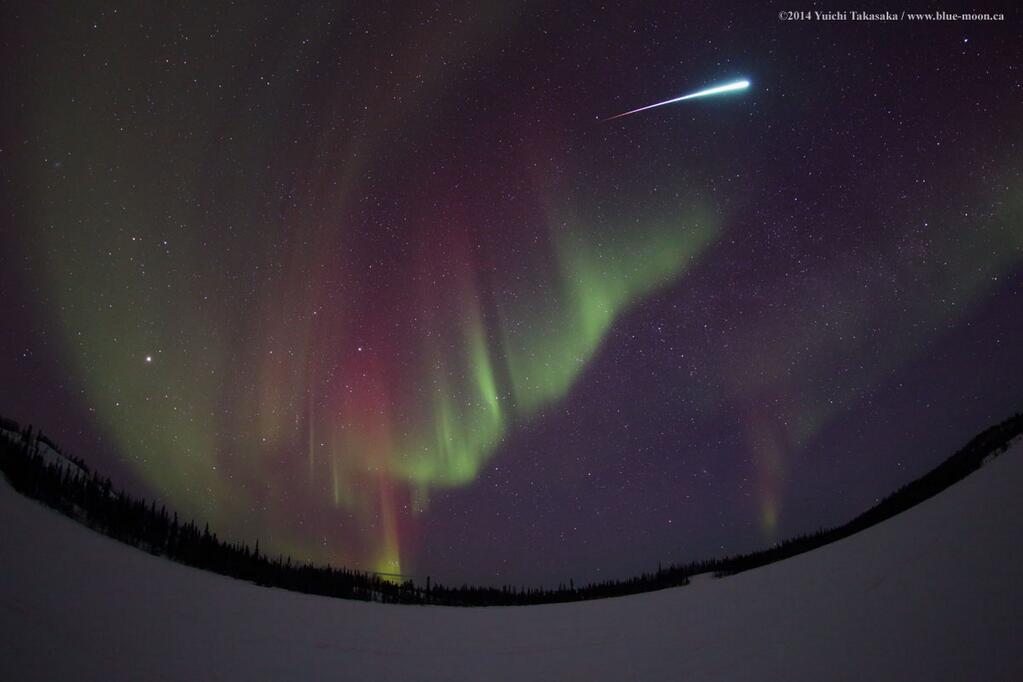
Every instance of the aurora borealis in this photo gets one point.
(376, 285)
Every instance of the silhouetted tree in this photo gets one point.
(72, 488)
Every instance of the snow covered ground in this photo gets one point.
(933, 594)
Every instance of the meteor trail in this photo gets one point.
(728, 87)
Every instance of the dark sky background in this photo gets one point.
(378, 286)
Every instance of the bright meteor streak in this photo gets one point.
(729, 87)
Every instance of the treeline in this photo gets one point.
(85, 496)
(989, 443)
(92, 500)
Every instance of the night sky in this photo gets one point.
(378, 285)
